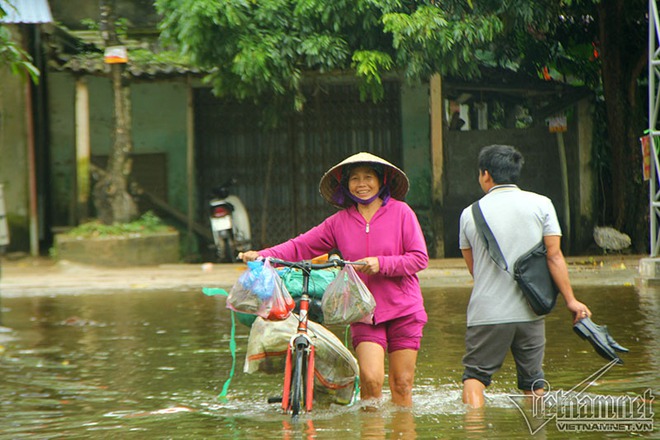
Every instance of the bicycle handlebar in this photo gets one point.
(315, 266)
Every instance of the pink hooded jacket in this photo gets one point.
(393, 235)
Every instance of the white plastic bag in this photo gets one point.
(347, 299)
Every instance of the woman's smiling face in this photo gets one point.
(363, 182)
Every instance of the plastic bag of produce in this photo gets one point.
(260, 291)
(347, 299)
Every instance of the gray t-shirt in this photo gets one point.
(519, 220)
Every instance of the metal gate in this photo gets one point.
(278, 170)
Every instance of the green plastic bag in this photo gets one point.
(245, 318)
(319, 280)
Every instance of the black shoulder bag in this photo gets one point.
(530, 270)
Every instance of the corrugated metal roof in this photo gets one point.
(83, 64)
(26, 11)
(81, 52)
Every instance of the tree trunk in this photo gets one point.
(628, 197)
(112, 200)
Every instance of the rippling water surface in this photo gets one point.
(150, 365)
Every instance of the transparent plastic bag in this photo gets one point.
(260, 291)
(347, 299)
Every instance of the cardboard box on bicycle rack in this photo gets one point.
(336, 369)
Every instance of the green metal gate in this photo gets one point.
(278, 170)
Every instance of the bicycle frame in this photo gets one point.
(298, 390)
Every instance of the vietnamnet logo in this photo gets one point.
(576, 411)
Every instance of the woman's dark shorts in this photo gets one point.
(404, 333)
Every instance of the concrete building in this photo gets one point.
(186, 140)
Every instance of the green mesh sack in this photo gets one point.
(246, 318)
(318, 281)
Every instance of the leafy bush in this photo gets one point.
(149, 223)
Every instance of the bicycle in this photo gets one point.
(298, 389)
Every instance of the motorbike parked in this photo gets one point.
(230, 223)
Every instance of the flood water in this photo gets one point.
(150, 365)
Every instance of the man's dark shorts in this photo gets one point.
(486, 347)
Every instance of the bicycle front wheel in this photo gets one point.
(297, 382)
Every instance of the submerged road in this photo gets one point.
(43, 276)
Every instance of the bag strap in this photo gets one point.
(210, 291)
(487, 235)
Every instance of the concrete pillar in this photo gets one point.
(437, 165)
(649, 272)
(4, 229)
(584, 205)
(83, 150)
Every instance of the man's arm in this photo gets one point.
(469, 261)
(559, 272)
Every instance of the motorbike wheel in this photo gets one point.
(226, 250)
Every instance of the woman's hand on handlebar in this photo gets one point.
(248, 256)
(371, 266)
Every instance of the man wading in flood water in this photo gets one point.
(498, 316)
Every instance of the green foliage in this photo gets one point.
(171, 58)
(368, 66)
(433, 40)
(262, 50)
(149, 223)
(13, 56)
(121, 26)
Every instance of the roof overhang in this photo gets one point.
(26, 11)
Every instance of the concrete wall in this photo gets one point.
(159, 126)
(541, 173)
(61, 102)
(416, 152)
(416, 134)
(13, 158)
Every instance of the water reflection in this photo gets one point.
(383, 424)
(151, 365)
(475, 424)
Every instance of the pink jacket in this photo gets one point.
(393, 235)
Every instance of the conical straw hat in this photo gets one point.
(394, 177)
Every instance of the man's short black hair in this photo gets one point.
(503, 163)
